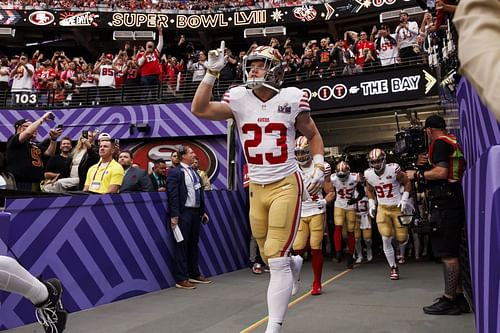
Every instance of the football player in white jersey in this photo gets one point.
(384, 181)
(345, 184)
(312, 218)
(363, 229)
(267, 117)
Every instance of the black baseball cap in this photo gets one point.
(435, 121)
(20, 123)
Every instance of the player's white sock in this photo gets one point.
(389, 251)
(359, 248)
(296, 266)
(14, 278)
(402, 248)
(278, 292)
(369, 254)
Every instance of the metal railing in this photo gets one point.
(180, 90)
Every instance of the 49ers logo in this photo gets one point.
(41, 17)
(146, 153)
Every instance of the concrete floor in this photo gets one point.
(357, 301)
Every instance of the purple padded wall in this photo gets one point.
(172, 120)
(480, 136)
(111, 247)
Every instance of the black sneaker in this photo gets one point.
(349, 261)
(338, 257)
(443, 306)
(51, 314)
(462, 303)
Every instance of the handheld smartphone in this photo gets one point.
(60, 126)
(117, 142)
(51, 116)
(85, 134)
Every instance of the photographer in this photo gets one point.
(447, 211)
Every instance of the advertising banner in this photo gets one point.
(397, 84)
(302, 14)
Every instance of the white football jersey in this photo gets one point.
(106, 76)
(267, 131)
(386, 186)
(362, 206)
(310, 205)
(345, 189)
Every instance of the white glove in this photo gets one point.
(404, 201)
(321, 204)
(318, 176)
(216, 59)
(373, 207)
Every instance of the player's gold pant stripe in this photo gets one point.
(296, 216)
(261, 322)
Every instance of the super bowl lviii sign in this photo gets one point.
(301, 14)
(370, 88)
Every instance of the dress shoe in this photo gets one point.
(185, 285)
(200, 279)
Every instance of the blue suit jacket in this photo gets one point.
(177, 192)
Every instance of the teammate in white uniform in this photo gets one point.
(384, 182)
(267, 118)
(46, 296)
(363, 228)
(312, 221)
(345, 184)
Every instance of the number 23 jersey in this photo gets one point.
(267, 131)
(386, 186)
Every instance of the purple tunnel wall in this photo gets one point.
(111, 247)
(480, 136)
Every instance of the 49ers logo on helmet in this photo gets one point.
(146, 153)
(41, 17)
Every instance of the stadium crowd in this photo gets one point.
(61, 79)
(170, 6)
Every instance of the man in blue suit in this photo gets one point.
(186, 210)
(135, 179)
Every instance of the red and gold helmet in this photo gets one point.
(275, 71)
(343, 170)
(302, 153)
(376, 159)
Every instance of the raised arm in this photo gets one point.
(202, 106)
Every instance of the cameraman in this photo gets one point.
(447, 211)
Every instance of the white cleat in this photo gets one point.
(296, 266)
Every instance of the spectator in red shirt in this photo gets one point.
(46, 76)
(149, 62)
(360, 46)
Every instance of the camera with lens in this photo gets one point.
(410, 142)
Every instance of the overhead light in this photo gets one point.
(123, 35)
(7, 32)
(144, 35)
(394, 14)
(264, 32)
(275, 31)
(253, 32)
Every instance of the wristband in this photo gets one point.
(421, 176)
(209, 79)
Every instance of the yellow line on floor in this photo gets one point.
(295, 301)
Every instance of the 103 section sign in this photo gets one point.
(368, 89)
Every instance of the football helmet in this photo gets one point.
(343, 170)
(275, 71)
(302, 153)
(376, 159)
